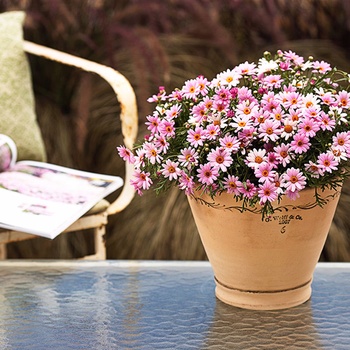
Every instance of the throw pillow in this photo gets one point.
(17, 108)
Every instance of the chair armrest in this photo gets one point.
(126, 98)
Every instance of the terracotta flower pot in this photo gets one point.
(264, 264)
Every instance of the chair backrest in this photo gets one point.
(126, 98)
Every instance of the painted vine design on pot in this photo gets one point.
(255, 210)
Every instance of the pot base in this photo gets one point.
(263, 300)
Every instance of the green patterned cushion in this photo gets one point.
(17, 110)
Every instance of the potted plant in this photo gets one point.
(261, 151)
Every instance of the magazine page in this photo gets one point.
(45, 199)
(8, 152)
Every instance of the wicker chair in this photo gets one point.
(96, 218)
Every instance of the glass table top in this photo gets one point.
(158, 305)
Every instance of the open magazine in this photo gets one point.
(45, 199)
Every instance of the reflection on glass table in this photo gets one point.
(158, 305)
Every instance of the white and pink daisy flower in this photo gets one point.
(294, 180)
(255, 157)
(230, 143)
(220, 158)
(191, 89)
(269, 130)
(171, 170)
(196, 137)
(264, 172)
(188, 156)
(152, 153)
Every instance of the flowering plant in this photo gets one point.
(257, 131)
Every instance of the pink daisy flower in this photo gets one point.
(248, 189)
(208, 102)
(267, 192)
(186, 183)
(272, 159)
(309, 101)
(190, 89)
(222, 93)
(232, 185)
(342, 141)
(264, 172)
(166, 128)
(230, 143)
(309, 127)
(339, 155)
(314, 169)
(229, 78)
(173, 112)
(327, 98)
(241, 121)
(292, 57)
(196, 137)
(294, 180)
(247, 68)
(327, 161)
(288, 129)
(220, 105)
(277, 113)
(273, 81)
(153, 123)
(220, 158)
(199, 113)
(212, 131)
(321, 67)
(312, 112)
(245, 95)
(282, 154)
(161, 143)
(203, 84)
(279, 183)
(300, 143)
(292, 99)
(126, 154)
(344, 99)
(269, 98)
(295, 114)
(171, 170)
(141, 181)
(152, 153)
(159, 97)
(139, 158)
(245, 136)
(260, 116)
(269, 130)
(188, 157)
(246, 109)
(207, 174)
(326, 123)
(176, 95)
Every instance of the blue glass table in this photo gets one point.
(158, 305)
